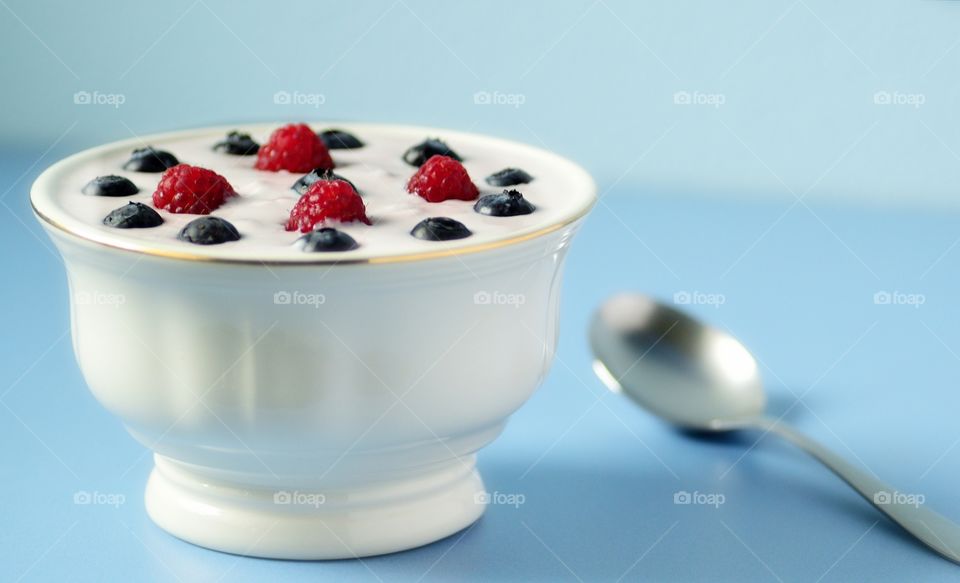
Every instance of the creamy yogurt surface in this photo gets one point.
(561, 192)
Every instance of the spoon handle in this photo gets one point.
(932, 529)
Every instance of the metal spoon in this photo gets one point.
(701, 378)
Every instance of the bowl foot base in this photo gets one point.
(379, 518)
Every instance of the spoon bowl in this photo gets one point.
(695, 376)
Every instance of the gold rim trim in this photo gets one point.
(426, 255)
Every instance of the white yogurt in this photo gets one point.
(561, 192)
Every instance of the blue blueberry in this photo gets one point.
(133, 215)
(326, 239)
(426, 149)
(307, 180)
(110, 186)
(508, 203)
(440, 229)
(237, 144)
(150, 159)
(508, 177)
(208, 231)
(340, 140)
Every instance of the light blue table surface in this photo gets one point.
(597, 476)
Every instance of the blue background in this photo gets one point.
(795, 200)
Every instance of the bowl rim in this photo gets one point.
(93, 236)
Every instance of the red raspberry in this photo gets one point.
(192, 190)
(295, 148)
(442, 178)
(327, 199)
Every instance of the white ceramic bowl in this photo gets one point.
(312, 409)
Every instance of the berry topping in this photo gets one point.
(316, 174)
(208, 231)
(340, 140)
(294, 148)
(191, 190)
(417, 155)
(326, 239)
(508, 203)
(110, 186)
(133, 215)
(327, 200)
(150, 160)
(440, 229)
(508, 177)
(237, 144)
(442, 178)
